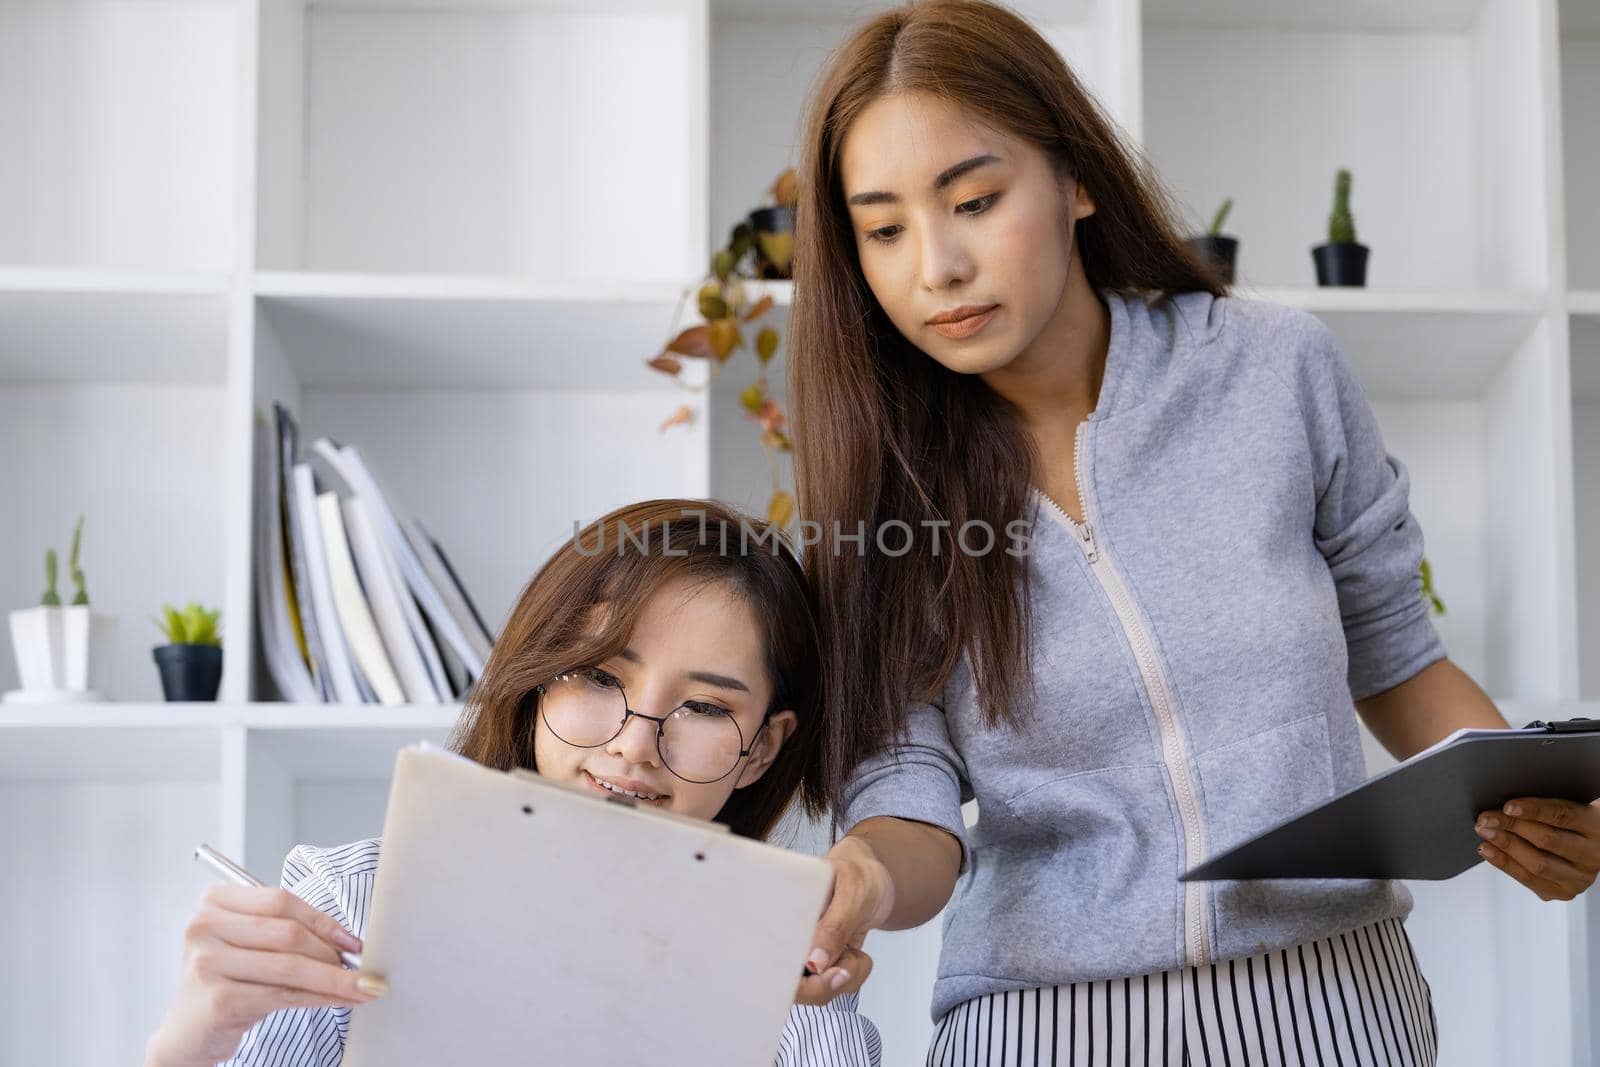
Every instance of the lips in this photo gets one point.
(965, 311)
(968, 325)
(624, 787)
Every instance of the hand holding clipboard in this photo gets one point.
(1419, 819)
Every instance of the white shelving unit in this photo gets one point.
(451, 231)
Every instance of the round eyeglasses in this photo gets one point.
(698, 742)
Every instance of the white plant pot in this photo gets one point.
(63, 654)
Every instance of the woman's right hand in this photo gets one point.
(250, 951)
(862, 899)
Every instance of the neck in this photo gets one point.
(1057, 377)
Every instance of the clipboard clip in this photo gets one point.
(1565, 726)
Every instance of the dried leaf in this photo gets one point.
(766, 344)
(724, 337)
(695, 341)
(683, 416)
(712, 306)
(781, 509)
(761, 307)
(666, 364)
(751, 397)
(770, 416)
(776, 439)
(786, 190)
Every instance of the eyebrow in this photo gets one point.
(946, 176)
(721, 681)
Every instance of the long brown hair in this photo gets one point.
(583, 603)
(882, 431)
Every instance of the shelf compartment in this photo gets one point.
(319, 786)
(480, 139)
(1584, 331)
(1352, 16)
(1420, 345)
(498, 459)
(103, 823)
(60, 326)
(1438, 110)
(1580, 87)
(124, 457)
(367, 332)
(118, 121)
(1474, 427)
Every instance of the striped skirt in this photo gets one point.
(1357, 998)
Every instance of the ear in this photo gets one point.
(1082, 201)
(778, 729)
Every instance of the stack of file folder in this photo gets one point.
(356, 602)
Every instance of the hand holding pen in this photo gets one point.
(251, 950)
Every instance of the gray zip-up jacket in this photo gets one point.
(1248, 566)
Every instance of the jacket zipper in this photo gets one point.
(1173, 752)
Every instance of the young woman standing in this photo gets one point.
(994, 319)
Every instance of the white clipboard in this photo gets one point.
(519, 920)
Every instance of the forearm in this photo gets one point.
(923, 862)
(1436, 701)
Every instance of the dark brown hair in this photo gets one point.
(583, 603)
(883, 431)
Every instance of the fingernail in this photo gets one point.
(1487, 820)
(1488, 833)
(346, 940)
(839, 979)
(1483, 850)
(1513, 810)
(372, 985)
(817, 960)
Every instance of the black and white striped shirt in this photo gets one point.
(339, 881)
(1355, 999)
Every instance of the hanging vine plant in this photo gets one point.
(759, 248)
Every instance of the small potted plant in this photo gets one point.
(1341, 261)
(191, 660)
(63, 652)
(1215, 250)
(773, 227)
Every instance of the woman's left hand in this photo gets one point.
(1550, 846)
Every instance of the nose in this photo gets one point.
(636, 743)
(944, 258)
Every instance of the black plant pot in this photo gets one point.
(1341, 264)
(1220, 252)
(189, 672)
(774, 228)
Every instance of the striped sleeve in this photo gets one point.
(339, 882)
(834, 1035)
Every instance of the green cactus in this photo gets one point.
(1434, 603)
(1222, 213)
(1341, 224)
(81, 597)
(51, 598)
(194, 625)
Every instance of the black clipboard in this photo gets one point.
(1416, 820)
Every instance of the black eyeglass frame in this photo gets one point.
(661, 732)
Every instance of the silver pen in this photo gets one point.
(229, 871)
